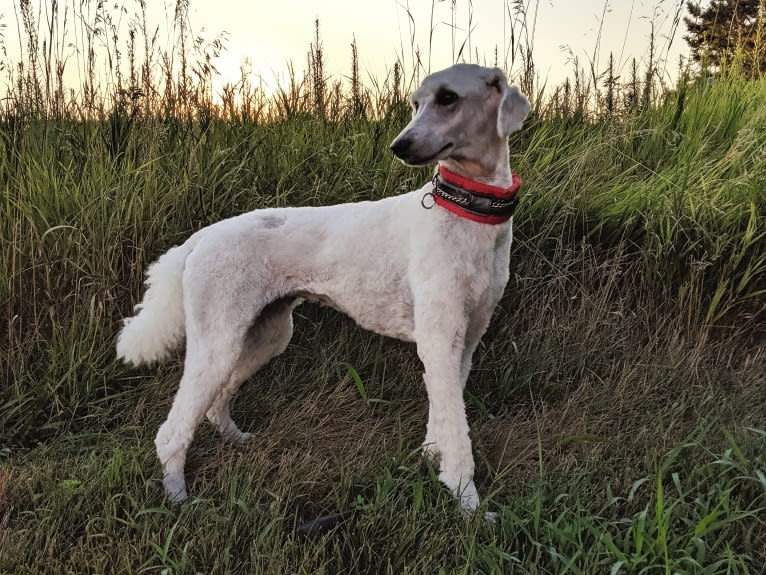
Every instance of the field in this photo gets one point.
(616, 402)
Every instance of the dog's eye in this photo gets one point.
(446, 97)
(415, 105)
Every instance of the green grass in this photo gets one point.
(616, 402)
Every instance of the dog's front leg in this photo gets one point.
(476, 328)
(441, 352)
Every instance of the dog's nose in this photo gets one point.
(400, 146)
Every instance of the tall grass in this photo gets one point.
(616, 402)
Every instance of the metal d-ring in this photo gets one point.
(432, 193)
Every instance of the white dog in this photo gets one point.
(428, 267)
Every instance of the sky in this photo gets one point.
(270, 35)
(265, 36)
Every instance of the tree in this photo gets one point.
(728, 32)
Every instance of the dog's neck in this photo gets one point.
(495, 171)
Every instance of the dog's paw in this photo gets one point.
(175, 488)
(490, 517)
(233, 434)
(468, 499)
(239, 436)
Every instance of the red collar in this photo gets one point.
(476, 201)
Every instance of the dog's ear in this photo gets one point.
(513, 106)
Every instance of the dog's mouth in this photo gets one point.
(411, 161)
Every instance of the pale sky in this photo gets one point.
(269, 34)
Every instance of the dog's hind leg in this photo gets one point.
(216, 325)
(266, 338)
(208, 366)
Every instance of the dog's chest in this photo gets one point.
(503, 251)
(381, 303)
(498, 270)
(489, 262)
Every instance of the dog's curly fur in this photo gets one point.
(421, 275)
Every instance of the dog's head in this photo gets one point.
(460, 112)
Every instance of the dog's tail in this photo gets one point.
(158, 327)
